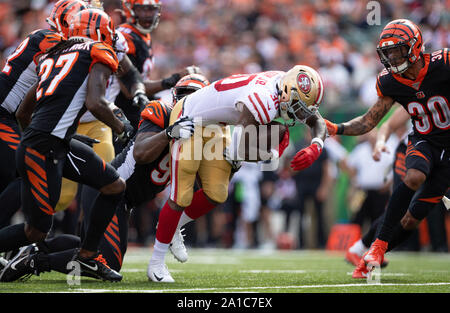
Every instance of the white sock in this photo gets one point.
(358, 248)
(159, 251)
(184, 219)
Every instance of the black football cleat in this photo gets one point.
(21, 266)
(97, 267)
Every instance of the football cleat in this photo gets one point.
(177, 247)
(375, 256)
(352, 258)
(21, 266)
(158, 272)
(97, 267)
(361, 270)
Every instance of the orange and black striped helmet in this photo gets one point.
(132, 18)
(62, 13)
(94, 24)
(397, 34)
(187, 85)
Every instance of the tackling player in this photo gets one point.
(419, 82)
(72, 77)
(144, 164)
(243, 100)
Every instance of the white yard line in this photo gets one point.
(252, 289)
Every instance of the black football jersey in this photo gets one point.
(62, 87)
(145, 181)
(19, 72)
(426, 99)
(140, 54)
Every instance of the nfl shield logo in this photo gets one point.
(304, 83)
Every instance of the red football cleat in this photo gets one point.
(361, 270)
(375, 256)
(352, 258)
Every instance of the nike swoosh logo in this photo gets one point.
(93, 268)
(157, 278)
(13, 266)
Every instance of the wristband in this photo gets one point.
(318, 141)
(340, 129)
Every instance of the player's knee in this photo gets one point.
(117, 187)
(33, 234)
(216, 197)
(409, 222)
(414, 179)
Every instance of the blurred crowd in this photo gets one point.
(225, 37)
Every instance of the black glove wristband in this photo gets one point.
(340, 129)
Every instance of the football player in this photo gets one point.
(398, 119)
(144, 164)
(419, 82)
(243, 100)
(16, 78)
(127, 79)
(72, 78)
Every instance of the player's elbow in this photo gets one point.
(140, 155)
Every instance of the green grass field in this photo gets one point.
(251, 271)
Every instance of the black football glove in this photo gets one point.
(140, 100)
(171, 81)
(183, 128)
(128, 130)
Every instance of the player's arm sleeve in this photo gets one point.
(101, 53)
(151, 139)
(379, 87)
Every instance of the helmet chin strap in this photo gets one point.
(400, 68)
(142, 29)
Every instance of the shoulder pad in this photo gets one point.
(102, 53)
(156, 112)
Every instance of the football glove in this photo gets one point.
(284, 142)
(140, 100)
(305, 157)
(334, 129)
(183, 128)
(170, 81)
(128, 130)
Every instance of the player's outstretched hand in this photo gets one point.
(183, 128)
(331, 127)
(305, 157)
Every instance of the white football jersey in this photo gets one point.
(218, 102)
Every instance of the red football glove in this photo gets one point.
(331, 127)
(305, 157)
(284, 142)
